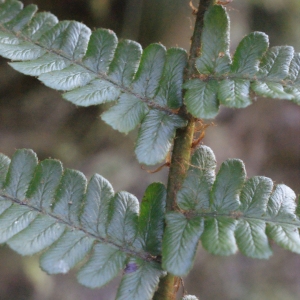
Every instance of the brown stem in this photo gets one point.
(181, 154)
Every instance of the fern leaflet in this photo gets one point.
(272, 72)
(94, 67)
(45, 208)
(228, 212)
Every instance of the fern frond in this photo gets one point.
(272, 72)
(94, 67)
(228, 212)
(45, 208)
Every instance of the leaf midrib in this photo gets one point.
(236, 215)
(145, 256)
(150, 102)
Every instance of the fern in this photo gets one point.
(272, 72)
(228, 212)
(95, 68)
(43, 206)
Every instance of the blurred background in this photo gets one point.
(266, 136)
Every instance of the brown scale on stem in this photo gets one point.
(200, 128)
(223, 2)
(166, 164)
(195, 10)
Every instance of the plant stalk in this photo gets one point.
(181, 154)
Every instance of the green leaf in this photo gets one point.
(151, 219)
(125, 62)
(126, 114)
(218, 236)
(94, 68)
(122, 226)
(56, 213)
(98, 196)
(98, 91)
(105, 264)
(275, 64)
(146, 81)
(255, 195)
(67, 203)
(20, 172)
(269, 73)
(69, 38)
(39, 25)
(252, 239)
(234, 93)
(201, 98)
(227, 186)
(294, 74)
(180, 242)
(23, 17)
(270, 89)
(140, 280)
(4, 204)
(9, 10)
(70, 249)
(100, 50)
(14, 218)
(215, 56)
(195, 192)
(286, 236)
(67, 79)
(4, 165)
(237, 214)
(281, 208)
(155, 136)
(45, 182)
(13, 48)
(170, 85)
(47, 63)
(295, 92)
(248, 54)
(41, 233)
(251, 234)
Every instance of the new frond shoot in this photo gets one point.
(75, 222)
